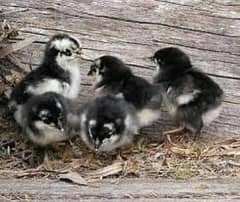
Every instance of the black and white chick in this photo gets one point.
(59, 72)
(107, 123)
(193, 99)
(114, 77)
(46, 119)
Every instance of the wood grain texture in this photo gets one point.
(134, 190)
(206, 30)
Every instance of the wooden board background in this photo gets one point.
(134, 190)
(207, 30)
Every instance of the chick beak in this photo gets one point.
(78, 53)
(151, 58)
(97, 145)
(60, 126)
(91, 71)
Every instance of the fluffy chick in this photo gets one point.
(108, 123)
(193, 99)
(59, 72)
(44, 119)
(114, 77)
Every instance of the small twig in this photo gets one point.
(113, 169)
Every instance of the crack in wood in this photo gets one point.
(130, 20)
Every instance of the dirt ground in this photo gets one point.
(207, 157)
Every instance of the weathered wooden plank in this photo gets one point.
(142, 12)
(125, 190)
(207, 30)
(154, 32)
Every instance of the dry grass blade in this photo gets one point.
(225, 151)
(233, 163)
(230, 152)
(230, 141)
(181, 151)
(73, 177)
(113, 169)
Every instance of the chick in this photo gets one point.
(193, 99)
(108, 123)
(59, 72)
(114, 77)
(44, 119)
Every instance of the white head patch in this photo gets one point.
(43, 112)
(92, 122)
(63, 44)
(110, 126)
(59, 105)
(110, 140)
(99, 77)
(109, 144)
(97, 62)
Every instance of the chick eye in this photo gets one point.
(46, 119)
(68, 52)
(101, 67)
(107, 135)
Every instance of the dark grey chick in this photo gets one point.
(114, 77)
(44, 119)
(193, 99)
(108, 123)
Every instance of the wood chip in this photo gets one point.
(73, 177)
(113, 169)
